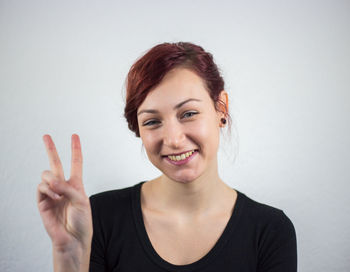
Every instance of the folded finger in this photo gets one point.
(44, 191)
(61, 187)
(68, 191)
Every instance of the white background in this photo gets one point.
(286, 68)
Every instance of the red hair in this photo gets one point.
(148, 71)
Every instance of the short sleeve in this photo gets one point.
(97, 260)
(278, 246)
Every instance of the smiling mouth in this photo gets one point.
(179, 154)
(181, 157)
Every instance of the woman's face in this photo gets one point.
(178, 116)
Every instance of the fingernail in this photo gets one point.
(56, 196)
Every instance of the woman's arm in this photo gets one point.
(65, 211)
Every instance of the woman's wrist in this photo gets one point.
(73, 259)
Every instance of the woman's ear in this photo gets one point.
(223, 97)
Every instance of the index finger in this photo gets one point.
(54, 159)
(77, 159)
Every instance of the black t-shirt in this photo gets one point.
(257, 237)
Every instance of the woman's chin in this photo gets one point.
(184, 179)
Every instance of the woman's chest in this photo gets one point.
(184, 243)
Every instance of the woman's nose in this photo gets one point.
(173, 135)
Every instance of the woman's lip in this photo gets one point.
(180, 153)
(181, 162)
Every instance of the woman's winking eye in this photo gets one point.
(151, 122)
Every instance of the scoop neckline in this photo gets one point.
(156, 258)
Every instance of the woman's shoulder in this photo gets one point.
(115, 198)
(273, 233)
(265, 216)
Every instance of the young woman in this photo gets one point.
(187, 219)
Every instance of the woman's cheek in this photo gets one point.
(207, 134)
(154, 136)
(200, 129)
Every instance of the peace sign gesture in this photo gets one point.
(63, 205)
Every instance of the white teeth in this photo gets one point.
(181, 157)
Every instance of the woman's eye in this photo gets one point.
(186, 114)
(190, 112)
(149, 123)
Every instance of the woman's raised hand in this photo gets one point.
(63, 205)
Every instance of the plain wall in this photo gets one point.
(286, 68)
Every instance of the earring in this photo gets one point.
(223, 120)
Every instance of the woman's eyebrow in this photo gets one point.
(176, 107)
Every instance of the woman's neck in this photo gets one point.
(199, 197)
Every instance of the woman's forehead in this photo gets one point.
(177, 106)
(175, 99)
(176, 88)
